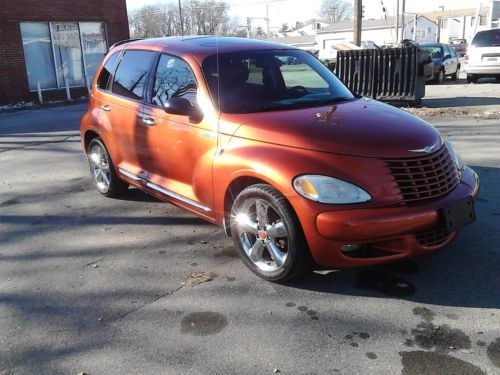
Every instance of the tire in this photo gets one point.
(268, 234)
(440, 77)
(102, 170)
(454, 76)
(471, 78)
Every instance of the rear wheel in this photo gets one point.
(472, 78)
(268, 235)
(102, 170)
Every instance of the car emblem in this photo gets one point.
(427, 149)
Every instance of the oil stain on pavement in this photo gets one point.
(441, 339)
(421, 362)
(493, 352)
(203, 323)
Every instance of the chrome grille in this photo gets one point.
(424, 177)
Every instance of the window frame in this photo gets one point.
(152, 78)
(107, 90)
(146, 81)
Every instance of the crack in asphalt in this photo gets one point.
(2, 150)
(156, 298)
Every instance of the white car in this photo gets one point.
(484, 56)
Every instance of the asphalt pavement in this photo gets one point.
(95, 285)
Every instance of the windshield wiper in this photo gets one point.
(333, 100)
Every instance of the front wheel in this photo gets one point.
(268, 235)
(440, 77)
(102, 170)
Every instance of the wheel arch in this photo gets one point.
(88, 137)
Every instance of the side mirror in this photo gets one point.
(182, 107)
(447, 57)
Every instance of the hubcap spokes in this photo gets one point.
(262, 234)
(100, 168)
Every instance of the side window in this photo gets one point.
(174, 79)
(107, 70)
(130, 77)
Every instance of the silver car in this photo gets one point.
(484, 56)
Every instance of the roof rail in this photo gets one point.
(125, 41)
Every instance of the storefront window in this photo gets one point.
(94, 46)
(60, 53)
(38, 55)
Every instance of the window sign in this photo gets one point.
(68, 54)
(94, 45)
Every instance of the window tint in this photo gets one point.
(102, 81)
(487, 38)
(174, 79)
(130, 77)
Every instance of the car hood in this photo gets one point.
(361, 127)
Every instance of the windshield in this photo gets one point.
(436, 51)
(268, 80)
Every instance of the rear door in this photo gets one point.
(123, 105)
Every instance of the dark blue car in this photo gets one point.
(445, 59)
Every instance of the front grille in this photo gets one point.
(424, 177)
(433, 237)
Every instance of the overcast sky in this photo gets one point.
(289, 11)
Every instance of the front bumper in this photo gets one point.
(387, 233)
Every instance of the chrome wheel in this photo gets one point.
(99, 166)
(262, 234)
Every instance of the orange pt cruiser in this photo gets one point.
(263, 140)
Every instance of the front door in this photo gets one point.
(180, 149)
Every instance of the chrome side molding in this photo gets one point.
(130, 175)
(177, 196)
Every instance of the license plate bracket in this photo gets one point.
(459, 214)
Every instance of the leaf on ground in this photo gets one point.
(196, 278)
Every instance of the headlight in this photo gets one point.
(326, 189)
(454, 155)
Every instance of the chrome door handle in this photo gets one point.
(148, 121)
(106, 108)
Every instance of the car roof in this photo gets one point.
(201, 46)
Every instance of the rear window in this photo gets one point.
(488, 38)
(107, 70)
(130, 77)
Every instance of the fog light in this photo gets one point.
(351, 248)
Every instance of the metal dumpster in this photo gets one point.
(393, 74)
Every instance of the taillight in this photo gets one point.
(466, 58)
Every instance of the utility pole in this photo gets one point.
(267, 21)
(396, 25)
(180, 16)
(403, 9)
(357, 21)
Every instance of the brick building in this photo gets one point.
(54, 44)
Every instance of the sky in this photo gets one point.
(290, 11)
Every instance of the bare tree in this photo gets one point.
(333, 11)
(284, 29)
(200, 17)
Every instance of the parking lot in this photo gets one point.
(96, 285)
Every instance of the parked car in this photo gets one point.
(445, 59)
(296, 169)
(483, 59)
(459, 45)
